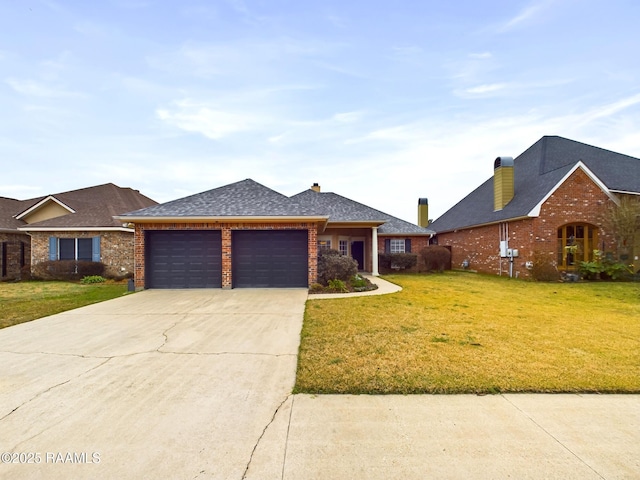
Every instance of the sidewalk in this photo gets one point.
(517, 436)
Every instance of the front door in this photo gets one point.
(357, 252)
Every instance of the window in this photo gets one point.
(84, 249)
(343, 246)
(576, 243)
(324, 245)
(397, 245)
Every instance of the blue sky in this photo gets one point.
(382, 102)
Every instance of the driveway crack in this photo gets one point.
(39, 394)
(264, 430)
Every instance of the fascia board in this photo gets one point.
(41, 204)
(75, 229)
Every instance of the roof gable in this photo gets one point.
(48, 207)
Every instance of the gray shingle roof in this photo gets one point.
(342, 209)
(536, 172)
(246, 198)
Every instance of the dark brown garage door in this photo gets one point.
(269, 258)
(183, 259)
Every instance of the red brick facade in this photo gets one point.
(116, 250)
(226, 229)
(577, 200)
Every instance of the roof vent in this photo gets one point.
(315, 187)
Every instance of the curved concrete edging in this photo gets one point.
(384, 287)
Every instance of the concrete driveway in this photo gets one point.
(160, 384)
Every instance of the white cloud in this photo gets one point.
(521, 17)
(481, 55)
(33, 88)
(489, 88)
(211, 122)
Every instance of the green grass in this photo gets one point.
(25, 301)
(466, 333)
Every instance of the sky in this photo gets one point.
(381, 102)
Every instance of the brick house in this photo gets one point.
(550, 202)
(73, 225)
(247, 235)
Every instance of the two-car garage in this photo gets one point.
(193, 258)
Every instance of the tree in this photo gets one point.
(623, 219)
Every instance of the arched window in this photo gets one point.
(576, 243)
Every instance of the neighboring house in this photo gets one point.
(247, 235)
(551, 203)
(75, 225)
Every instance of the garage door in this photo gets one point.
(269, 258)
(183, 259)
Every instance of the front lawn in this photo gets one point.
(24, 301)
(465, 333)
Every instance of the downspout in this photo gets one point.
(374, 251)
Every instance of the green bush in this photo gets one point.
(332, 265)
(435, 257)
(338, 286)
(603, 267)
(93, 279)
(397, 261)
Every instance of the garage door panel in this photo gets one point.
(270, 258)
(184, 259)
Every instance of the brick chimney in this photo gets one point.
(503, 189)
(423, 212)
(315, 187)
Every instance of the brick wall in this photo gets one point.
(577, 200)
(15, 252)
(226, 229)
(116, 250)
(417, 244)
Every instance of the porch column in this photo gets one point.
(374, 251)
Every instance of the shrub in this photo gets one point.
(93, 279)
(397, 261)
(338, 286)
(435, 257)
(603, 267)
(332, 265)
(543, 269)
(69, 269)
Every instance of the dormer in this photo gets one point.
(45, 209)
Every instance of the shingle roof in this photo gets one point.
(536, 172)
(249, 198)
(93, 206)
(8, 208)
(246, 198)
(344, 210)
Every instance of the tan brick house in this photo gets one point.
(551, 202)
(248, 235)
(73, 225)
